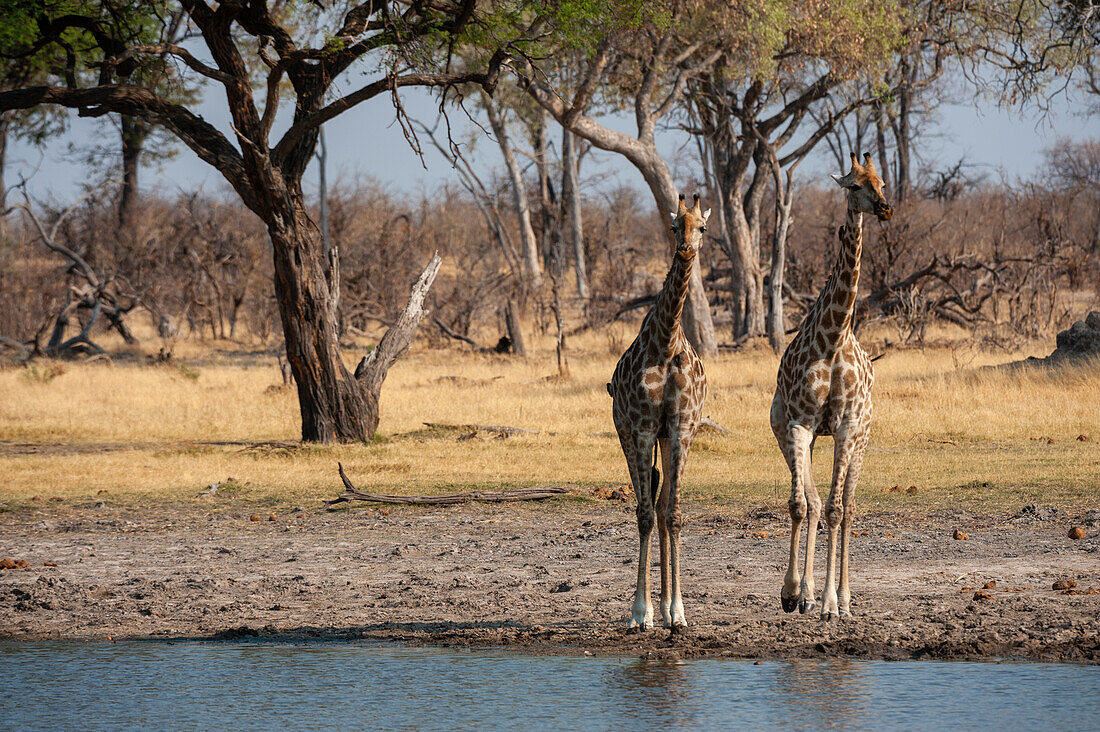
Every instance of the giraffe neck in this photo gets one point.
(665, 316)
(842, 287)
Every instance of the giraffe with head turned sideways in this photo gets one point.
(657, 394)
(824, 388)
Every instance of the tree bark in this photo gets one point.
(571, 200)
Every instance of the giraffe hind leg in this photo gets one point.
(844, 594)
(679, 446)
(662, 529)
(807, 601)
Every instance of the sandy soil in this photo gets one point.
(554, 577)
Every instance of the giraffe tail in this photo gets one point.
(655, 476)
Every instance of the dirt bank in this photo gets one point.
(555, 577)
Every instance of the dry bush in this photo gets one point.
(1007, 263)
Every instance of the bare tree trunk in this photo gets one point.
(134, 134)
(571, 201)
(783, 200)
(334, 406)
(880, 145)
(748, 277)
(519, 191)
(550, 224)
(515, 330)
(903, 134)
(563, 359)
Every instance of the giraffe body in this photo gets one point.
(824, 388)
(657, 394)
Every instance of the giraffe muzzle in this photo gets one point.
(884, 212)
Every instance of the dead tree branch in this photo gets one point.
(351, 493)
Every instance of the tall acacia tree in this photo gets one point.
(406, 44)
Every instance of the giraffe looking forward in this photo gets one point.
(657, 395)
(824, 388)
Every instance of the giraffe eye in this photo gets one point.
(672, 228)
(852, 187)
(702, 228)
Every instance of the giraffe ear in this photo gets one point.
(839, 180)
(706, 215)
(672, 215)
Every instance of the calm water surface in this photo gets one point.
(265, 685)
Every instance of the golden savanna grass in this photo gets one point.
(962, 435)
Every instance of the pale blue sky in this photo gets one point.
(366, 142)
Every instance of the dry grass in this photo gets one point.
(140, 432)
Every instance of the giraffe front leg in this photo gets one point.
(797, 452)
(641, 613)
(833, 516)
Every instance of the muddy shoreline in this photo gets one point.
(553, 577)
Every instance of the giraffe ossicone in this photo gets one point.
(824, 388)
(657, 394)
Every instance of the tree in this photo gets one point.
(408, 41)
(1037, 47)
(750, 110)
(643, 65)
(35, 125)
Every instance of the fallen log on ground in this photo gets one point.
(487, 428)
(351, 493)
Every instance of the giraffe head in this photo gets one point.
(865, 189)
(688, 225)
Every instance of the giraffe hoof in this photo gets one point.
(845, 613)
(806, 606)
(789, 603)
(829, 616)
(679, 627)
